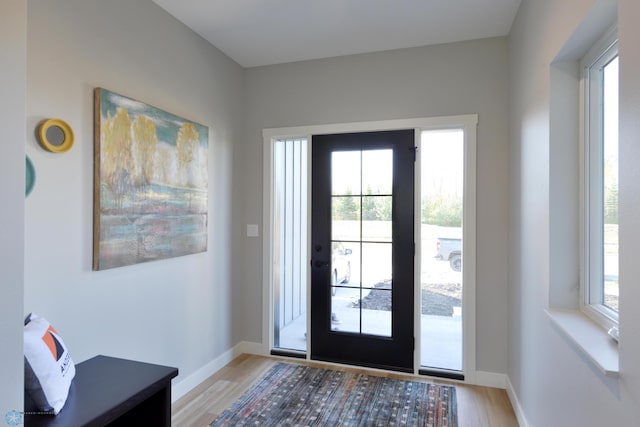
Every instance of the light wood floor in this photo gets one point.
(477, 406)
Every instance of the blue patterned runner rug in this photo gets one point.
(296, 395)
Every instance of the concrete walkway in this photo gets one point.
(440, 337)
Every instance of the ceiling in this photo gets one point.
(265, 32)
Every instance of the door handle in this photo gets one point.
(319, 264)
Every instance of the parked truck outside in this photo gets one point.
(450, 249)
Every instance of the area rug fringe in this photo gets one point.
(297, 395)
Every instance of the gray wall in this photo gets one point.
(553, 382)
(175, 311)
(13, 93)
(461, 78)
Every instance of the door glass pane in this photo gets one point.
(345, 215)
(377, 171)
(610, 183)
(361, 263)
(442, 163)
(345, 289)
(376, 218)
(345, 173)
(376, 265)
(376, 319)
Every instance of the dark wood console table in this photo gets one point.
(107, 391)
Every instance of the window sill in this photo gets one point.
(589, 338)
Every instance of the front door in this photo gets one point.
(362, 245)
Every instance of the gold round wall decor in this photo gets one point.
(55, 135)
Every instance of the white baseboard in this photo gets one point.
(491, 379)
(198, 377)
(246, 347)
(515, 403)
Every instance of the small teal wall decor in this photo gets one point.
(30, 177)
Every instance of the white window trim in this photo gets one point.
(466, 122)
(601, 53)
(566, 125)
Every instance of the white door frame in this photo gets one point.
(466, 122)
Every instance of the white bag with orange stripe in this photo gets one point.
(48, 366)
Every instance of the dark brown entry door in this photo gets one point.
(362, 243)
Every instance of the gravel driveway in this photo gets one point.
(437, 299)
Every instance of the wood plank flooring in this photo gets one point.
(477, 406)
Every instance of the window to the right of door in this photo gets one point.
(600, 283)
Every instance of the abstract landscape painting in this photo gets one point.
(150, 183)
